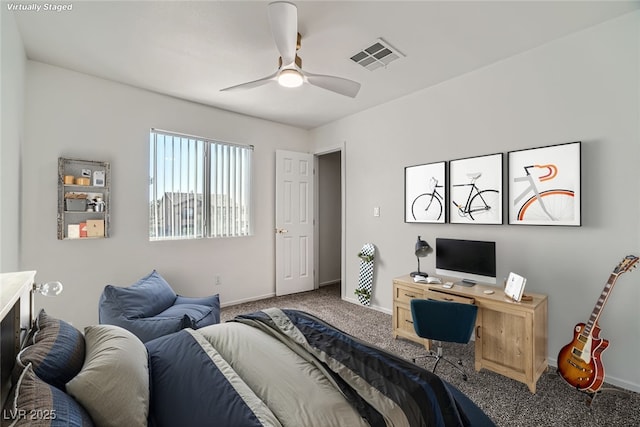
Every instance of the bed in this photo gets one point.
(274, 367)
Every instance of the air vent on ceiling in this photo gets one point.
(379, 54)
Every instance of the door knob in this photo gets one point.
(281, 230)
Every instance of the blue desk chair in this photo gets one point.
(443, 321)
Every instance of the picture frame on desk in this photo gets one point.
(514, 287)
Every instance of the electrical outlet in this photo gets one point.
(218, 281)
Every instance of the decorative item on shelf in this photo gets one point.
(95, 228)
(69, 179)
(422, 249)
(73, 231)
(99, 204)
(76, 202)
(98, 178)
(83, 181)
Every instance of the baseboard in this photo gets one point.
(618, 382)
(373, 307)
(241, 301)
(330, 282)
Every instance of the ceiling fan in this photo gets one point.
(283, 17)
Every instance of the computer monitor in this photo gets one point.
(470, 260)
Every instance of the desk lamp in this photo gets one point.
(422, 250)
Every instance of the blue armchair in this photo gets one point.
(150, 308)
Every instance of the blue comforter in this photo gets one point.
(289, 368)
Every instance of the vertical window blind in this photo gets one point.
(198, 187)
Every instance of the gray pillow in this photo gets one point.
(113, 385)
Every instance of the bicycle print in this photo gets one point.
(425, 193)
(479, 202)
(476, 190)
(544, 192)
(428, 206)
(554, 205)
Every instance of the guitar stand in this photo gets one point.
(591, 396)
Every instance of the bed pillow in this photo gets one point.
(32, 402)
(145, 298)
(57, 352)
(113, 385)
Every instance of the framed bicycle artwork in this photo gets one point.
(544, 185)
(425, 194)
(475, 189)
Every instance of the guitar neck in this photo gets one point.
(597, 310)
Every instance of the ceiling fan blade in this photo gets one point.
(255, 83)
(283, 17)
(339, 85)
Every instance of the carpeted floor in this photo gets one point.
(508, 402)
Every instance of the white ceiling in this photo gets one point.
(192, 49)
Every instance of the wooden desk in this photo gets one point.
(510, 337)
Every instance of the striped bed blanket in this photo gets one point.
(281, 367)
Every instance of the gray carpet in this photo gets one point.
(508, 402)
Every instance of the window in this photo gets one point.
(198, 187)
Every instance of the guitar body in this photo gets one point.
(579, 362)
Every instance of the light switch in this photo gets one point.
(376, 211)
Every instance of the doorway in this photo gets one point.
(329, 214)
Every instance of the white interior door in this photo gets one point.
(294, 222)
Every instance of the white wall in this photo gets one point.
(74, 115)
(13, 61)
(583, 87)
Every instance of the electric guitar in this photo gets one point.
(579, 361)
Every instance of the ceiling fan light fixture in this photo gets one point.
(283, 19)
(290, 78)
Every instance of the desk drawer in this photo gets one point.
(404, 320)
(404, 294)
(443, 296)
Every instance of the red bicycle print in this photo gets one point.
(555, 204)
